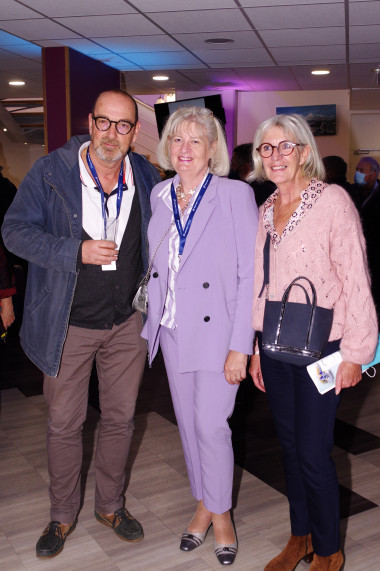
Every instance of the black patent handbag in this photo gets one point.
(295, 333)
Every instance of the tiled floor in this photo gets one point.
(158, 492)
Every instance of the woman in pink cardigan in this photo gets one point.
(315, 232)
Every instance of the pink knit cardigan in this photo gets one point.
(324, 242)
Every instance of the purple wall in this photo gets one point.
(88, 78)
(55, 97)
(71, 83)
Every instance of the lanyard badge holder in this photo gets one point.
(106, 227)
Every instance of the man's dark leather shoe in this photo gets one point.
(53, 539)
(123, 523)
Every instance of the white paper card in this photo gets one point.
(323, 372)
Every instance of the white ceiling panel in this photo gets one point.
(147, 60)
(364, 34)
(318, 4)
(266, 79)
(6, 54)
(11, 10)
(204, 21)
(28, 51)
(303, 37)
(246, 39)
(118, 62)
(250, 56)
(34, 30)
(109, 26)
(170, 6)
(305, 16)
(237, 64)
(338, 78)
(63, 8)
(82, 45)
(312, 53)
(362, 13)
(140, 44)
(165, 36)
(365, 51)
(363, 76)
(175, 67)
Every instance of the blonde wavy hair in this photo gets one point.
(219, 163)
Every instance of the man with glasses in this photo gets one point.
(78, 304)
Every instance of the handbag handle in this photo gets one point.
(147, 275)
(266, 270)
(287, 291)
(312, 306)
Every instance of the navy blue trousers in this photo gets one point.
(304, 421)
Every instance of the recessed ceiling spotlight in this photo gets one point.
(17, 83)
(219, 41)
(5, 130)
(320, 72)
(160, 77)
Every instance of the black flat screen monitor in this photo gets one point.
(212, 102)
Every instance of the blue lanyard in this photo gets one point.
(183, 232)
(119, 186)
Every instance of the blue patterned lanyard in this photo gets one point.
(119, 186)
(183, 232)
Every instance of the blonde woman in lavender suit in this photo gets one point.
(199, 291)
(315, 232)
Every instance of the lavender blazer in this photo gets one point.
(214, 287)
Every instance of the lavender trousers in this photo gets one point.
(120, 355)
(203, 401)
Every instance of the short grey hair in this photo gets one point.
(297, 130)
(219, 162)
(372, 163)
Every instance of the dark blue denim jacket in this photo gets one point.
(44, 226)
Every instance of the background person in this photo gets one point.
(198, 298)
(78, 304)
(367, 184)
(315, 232)
(336, 171)
(242, 165)
(7, 290)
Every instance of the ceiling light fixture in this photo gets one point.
(160, 77)
(320, 72)
(219, 41)
(5, 130)
(17, 83)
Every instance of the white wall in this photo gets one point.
(255, 107)
(365, 134)
(17, 158)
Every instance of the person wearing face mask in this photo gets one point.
(368, 186)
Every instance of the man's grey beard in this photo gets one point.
(108, 156)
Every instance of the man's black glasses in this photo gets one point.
(122, 127)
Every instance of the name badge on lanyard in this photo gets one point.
(91, 166)
(183, 232)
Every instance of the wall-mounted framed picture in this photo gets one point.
(321, 118)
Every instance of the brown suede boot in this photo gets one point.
(333, 562)
(298, 547)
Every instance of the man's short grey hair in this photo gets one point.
(296, 130)
(374, 165)
(219, 163)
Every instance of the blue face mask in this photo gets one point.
(360, 178)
